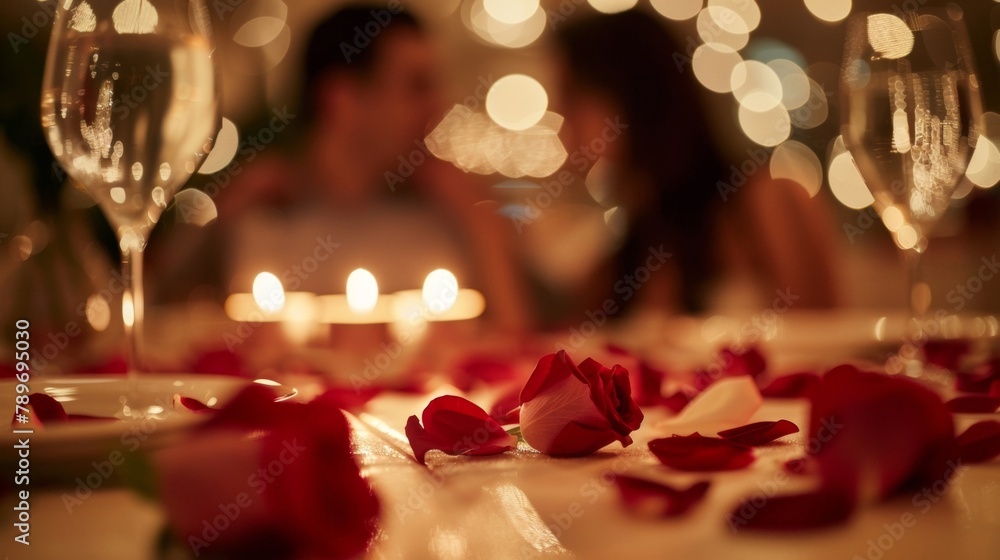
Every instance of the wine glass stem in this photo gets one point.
(132, 308)
(917, 295)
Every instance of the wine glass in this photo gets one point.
(130, 108)
(911, 112)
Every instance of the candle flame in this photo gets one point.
(268, 292)
(440, 291)
(362, 291)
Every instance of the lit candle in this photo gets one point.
(362, 291)
(268, 293)
(440, 291)
(440, 300)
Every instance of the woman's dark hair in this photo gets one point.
(349, 41)
(630, 58)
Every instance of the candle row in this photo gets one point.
(440, 300)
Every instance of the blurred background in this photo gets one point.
(57, 250)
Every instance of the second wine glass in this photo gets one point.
(911, 110)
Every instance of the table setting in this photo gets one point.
(381, 417)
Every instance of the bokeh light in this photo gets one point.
(611, 6)
(98, 312)
(719, 24)
(906, 237)
(195, 207)
(796, 162)
(713, 65)
(748, 11)
(474, 143)
(846, 182)
(513, 36)
(767, 128)
(893, 218)
(135, 16)
(815, 111)
(510, 11)
(678, 9)
(756, 86)
(223, 150)
(984, 167)
(889, 36)
(258, 31)
(795, 86)
(274, 52)
(829, 10)
(516, 102)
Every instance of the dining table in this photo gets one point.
(524, 504)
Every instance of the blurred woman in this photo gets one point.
(624, 74)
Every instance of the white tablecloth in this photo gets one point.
(525, 505)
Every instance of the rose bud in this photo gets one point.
(573, 410)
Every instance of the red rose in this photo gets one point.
(570, 410)
(267, 479)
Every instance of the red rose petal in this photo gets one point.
(796, 512)
(731, 363)
(980, 443)
(645, 496)
(876, 435)
(46, 409)
(677, 401)
(321, 502)
(617, 350)
(800, 466)
(759, 433)
(484, 369)
(578, 440)
(349, 398)
(506, 409)
(974, 404)
(250, 409)
(980, 379)
(748, 362)
(89, 418)
(946, 354)
(793, 386)
(194, 405)
(698, 453)
(457, 427)
(649, 383)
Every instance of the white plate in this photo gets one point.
(85, 441)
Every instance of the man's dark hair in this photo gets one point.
(349, 41)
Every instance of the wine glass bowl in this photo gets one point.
(130, 109)
(910, 117)
(911, 110)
